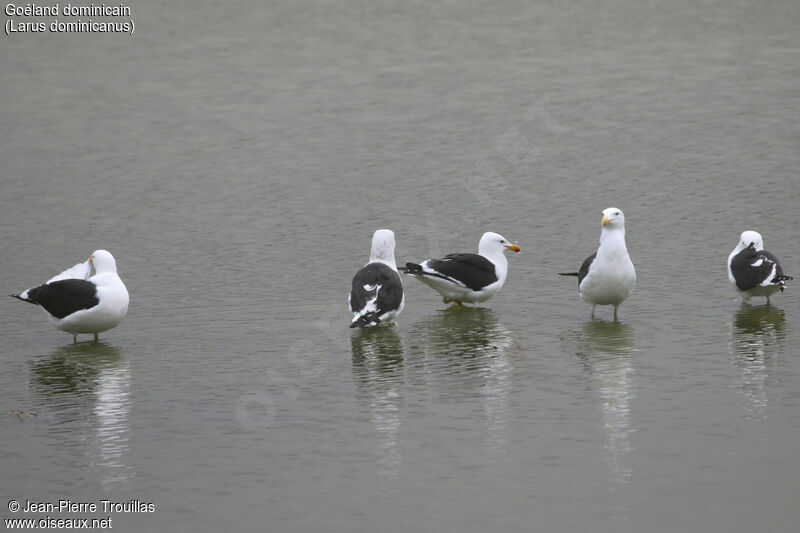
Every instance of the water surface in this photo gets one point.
(236, 159)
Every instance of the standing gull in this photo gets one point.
(467, 277)
(752, 270)
(607, 276)
(78, 302)
(377, 293)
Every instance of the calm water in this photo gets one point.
(236, 159)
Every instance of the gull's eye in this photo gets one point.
(617, 213)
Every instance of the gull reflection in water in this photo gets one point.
(606, 349)
(87, 388)
(378, 372)
(470, 346)
(756, 336)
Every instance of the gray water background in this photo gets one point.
(236, 158)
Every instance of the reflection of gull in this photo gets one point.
(755, 337)
(606, 349)
(470, 343)
(81, 380)
(111, 410)
(378, 373)
(495, 393)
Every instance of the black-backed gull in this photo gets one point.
(467, 277)
(752, 270)
(78, 301)
(377, 293)
(607, 277)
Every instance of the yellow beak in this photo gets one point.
(606, 220)
(91, 261)
(514, 248)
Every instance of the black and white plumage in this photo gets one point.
(467, 277)
(752, 270)
(86, 298)
(377, 293)
(607, 277)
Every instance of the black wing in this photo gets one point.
(583, 270)
(779, 275)
(585, 267)
(64, 297)
(376, 278)
(471, 270)
(751, 268)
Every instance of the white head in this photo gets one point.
(750, 237)
(613, 218)
(383, 247)
(102, 261)
(495, 244)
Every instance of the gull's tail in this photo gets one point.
(411, 268)
(23, 296)
(365, 320)
(778, 280)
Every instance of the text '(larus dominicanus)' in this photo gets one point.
(467, 277)
(754, 271)
(377, 293)
(607, 277)
(86, 298)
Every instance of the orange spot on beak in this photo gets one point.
(514, 248)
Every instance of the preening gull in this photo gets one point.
(752, 270)
(78, 302)
(377, 294)
(467, 277)
(607, 276)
